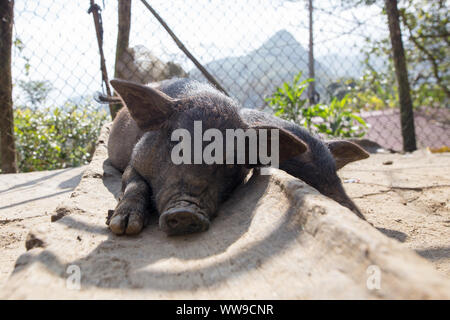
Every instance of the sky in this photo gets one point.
(59, 35)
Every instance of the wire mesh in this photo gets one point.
(251, 47)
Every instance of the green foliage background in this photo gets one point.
(55, 138)
(426, 40)
(333, 119)
(47, 137)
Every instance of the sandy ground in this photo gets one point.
(25, 200)
(405, 196)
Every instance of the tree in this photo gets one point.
(428, 47)
(123, 40)
(424, 24)
(7, 144)
(312, 93)
(36, 91)
(401, 71)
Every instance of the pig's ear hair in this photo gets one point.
(149, 107)
(345, 152)
(290, 145)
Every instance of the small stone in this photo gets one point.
(389, 162)
(33, 242)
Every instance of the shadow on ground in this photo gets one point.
(136, 255)
(434, 254)
(398, 235)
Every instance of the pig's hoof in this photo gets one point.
(126, 220)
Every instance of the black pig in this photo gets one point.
(186, 196)
(318, 165)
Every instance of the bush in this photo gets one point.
(368, 93)
(335, 119)
(287, 101)
(55, 138)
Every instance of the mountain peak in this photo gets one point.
(281, 37)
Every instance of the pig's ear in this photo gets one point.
(149, 107)
(345, 152)
(289, 144)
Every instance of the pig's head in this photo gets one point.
(187, 195)
(344, 152)
(318, 167)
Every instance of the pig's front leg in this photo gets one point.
(131, 213)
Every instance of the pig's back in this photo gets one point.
(123, 137)
(183, 87)
(252, 117)
(317, 149)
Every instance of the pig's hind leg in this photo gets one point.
(132, 212)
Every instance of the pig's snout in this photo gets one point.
(183, 220)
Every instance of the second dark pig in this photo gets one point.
(319, 164)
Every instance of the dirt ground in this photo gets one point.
(405, 196)
(25, 200)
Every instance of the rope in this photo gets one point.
(180, 45)
(95, 10)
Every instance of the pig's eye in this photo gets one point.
(230, 170)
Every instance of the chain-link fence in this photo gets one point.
(250, 47)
